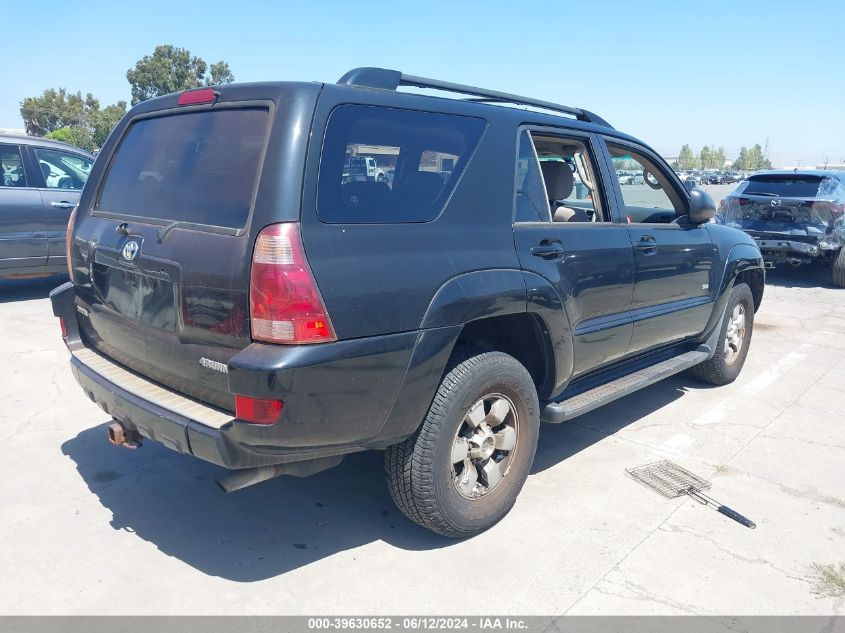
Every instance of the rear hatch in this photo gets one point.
(801, 207)
(162, 246)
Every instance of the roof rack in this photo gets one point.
(386, 79)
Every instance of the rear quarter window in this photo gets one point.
(197, 167)
(386, 165)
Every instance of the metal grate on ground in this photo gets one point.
(668, 479)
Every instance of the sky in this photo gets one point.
(717, 72)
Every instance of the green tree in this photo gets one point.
(70, 117)
(752, 159)
(55, 109)
(719, 158)
(706, 157)
(686, 158)
(171, 69)
(75, 135)
(104, 121)
(220, 74)
(741, 162)
(757, 159)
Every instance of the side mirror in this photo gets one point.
(701, 206)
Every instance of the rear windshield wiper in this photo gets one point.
(209, 228)
(163, 231)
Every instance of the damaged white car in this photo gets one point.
(796, 217)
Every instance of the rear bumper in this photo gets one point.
(779, 250)
(337, 397)
(176, 430)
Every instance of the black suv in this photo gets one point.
(797, 217)
(236, 298)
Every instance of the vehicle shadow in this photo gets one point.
(561, 441)
(27, 289)
(171, 500)
(805, 276)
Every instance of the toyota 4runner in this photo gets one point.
(235, 298)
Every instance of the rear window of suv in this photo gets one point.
(194, 167)
(384, 165)
(790, 186)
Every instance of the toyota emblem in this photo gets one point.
(130, 250)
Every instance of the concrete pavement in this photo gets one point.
(91, 529)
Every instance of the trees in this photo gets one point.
(757, 158)
(105, 120)
(171, 69)
(55, 109)
(719, 158)
(706, 157)
(686, 159)
(710, 158)
(752, 160)
(71, 118)
(74, 135)
(79, 120)
(741, 162)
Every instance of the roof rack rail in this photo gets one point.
(386, 79)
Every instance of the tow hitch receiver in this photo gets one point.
(121, 436)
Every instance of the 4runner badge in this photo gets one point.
(214, 365)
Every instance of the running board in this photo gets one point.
(556, 412)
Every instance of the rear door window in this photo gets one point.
(11, 165)
(382, 165)
(196, 167)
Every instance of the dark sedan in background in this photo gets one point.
(40, 183)
(796, 217)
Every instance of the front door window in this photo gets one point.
(646, 192)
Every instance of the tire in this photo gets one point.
(441, 495)
(725, 365)
(838, 270)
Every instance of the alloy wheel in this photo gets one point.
(484, 443)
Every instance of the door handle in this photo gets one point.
(647, 245)
(63, 205)
(548, 249)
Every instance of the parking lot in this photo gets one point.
(89, 528)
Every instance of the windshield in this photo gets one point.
(197, 167)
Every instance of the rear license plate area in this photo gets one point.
(137, 297)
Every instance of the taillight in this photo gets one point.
(69, 240)
(193, 97)
(63, 327)
(285, 303)
(257, 410)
